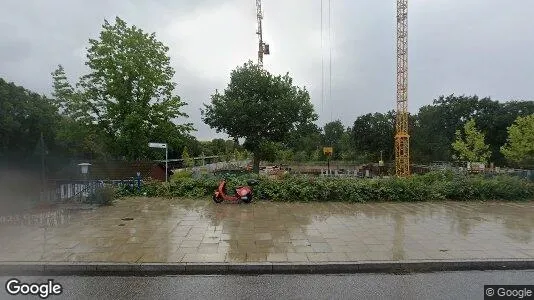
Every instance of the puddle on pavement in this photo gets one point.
(43, 218)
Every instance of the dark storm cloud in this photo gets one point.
(474, 47)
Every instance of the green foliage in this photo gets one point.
(188, 161)
(473, 147)
(285, 155)
(429, 187)
(435, 125)
(259, 107)
(181, 174)
(300, 156)
(23, 116)
(103, 196)
(127, 98)
(332, 134)
(520, 145)
(305, 139)
(372, 133)
(219, 147)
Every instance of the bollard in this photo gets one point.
(139, 182)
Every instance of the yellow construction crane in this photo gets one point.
(263, 48)
(402, 137)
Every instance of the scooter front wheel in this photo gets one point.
(217, 199)
(248, 199)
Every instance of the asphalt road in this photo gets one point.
(444, 285)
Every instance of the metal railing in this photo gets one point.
(82, 191)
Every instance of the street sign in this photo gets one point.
(157, 145)
(328, 151)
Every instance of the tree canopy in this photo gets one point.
(127, 99)
(259, 107)
(471, 146)
(519, 148)
(435, 125)
(24, 115)
(333, 133)
(372, 133)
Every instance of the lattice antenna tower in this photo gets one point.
(402, 137)
(263, 48)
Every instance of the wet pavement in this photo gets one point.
(178, 230)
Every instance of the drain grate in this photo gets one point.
(127, 219)
(122, 224)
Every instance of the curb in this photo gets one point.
(145, 269)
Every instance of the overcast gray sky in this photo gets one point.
(481, 47)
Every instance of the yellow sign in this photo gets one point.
(328, 151)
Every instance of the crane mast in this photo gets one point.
(402, 138)
(263, 48)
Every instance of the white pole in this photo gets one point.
(166, 163)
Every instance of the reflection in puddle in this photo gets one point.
(49, 218)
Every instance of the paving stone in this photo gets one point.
(256, 257)
(277, 257)
(172, 230)
(190, 244)
(199, 257)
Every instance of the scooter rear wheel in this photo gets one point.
(217, 199)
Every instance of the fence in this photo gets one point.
(214, 167)
(525, 174)
(80, 190)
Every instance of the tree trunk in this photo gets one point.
(256, 164)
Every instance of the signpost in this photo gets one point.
(162, 146)
(328, 152)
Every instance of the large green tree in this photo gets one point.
(24, 115)
(261, 108)
(127, 98)
(305, 141)
(346, 148)
(436, 125)
(519, 148)
(496, 122)
(372, 133)
(471, 146)
(332, 135)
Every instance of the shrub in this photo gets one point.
(103, 196)
(181, 174)
(428, 187)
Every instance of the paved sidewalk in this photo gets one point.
(152, 230)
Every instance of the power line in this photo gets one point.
(322, 62)
(330, 58)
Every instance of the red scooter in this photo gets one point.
(243, 193)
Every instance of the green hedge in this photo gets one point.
(431, 186)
